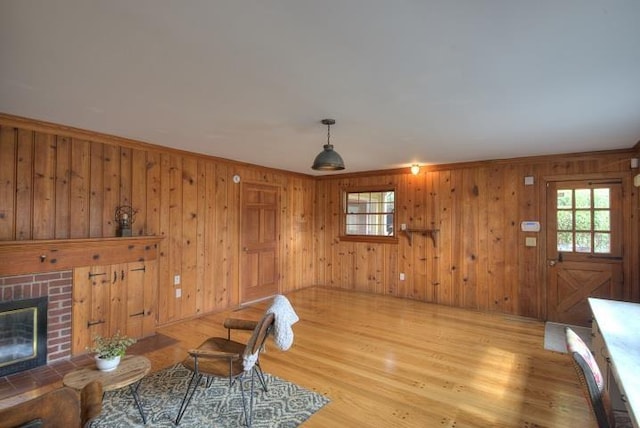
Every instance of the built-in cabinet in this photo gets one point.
(111, 299)
(115, 282)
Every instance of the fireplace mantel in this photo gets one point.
(38, 256)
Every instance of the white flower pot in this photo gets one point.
(107, 364)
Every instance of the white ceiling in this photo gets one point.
(407, 81)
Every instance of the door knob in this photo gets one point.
(552, 262)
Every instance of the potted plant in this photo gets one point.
(109, 350)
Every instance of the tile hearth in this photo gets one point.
(51, 375)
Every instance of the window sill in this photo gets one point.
(372, 239)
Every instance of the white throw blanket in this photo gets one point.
(284, 318)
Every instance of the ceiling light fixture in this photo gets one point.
(415, 169)
(328, 159)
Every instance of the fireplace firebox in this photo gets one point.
(23, 334)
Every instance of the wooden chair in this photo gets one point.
(226, 358)
(592, 383)
(61, 407)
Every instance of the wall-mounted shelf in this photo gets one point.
(432, 233)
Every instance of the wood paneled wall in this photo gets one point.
(58, 183)
(480, 260)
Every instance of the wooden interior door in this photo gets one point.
(584, 247)
(259, 274)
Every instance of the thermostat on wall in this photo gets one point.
(530, 226)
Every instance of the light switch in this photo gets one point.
(530, 241)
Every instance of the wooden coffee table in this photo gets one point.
(129, 373)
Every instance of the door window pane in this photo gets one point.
(565, 241)
(602, 243)
(565, 199)
(601, 198)
(601, 221)
(583, 198)
(583, 242)
(583, 220)
(565, 220)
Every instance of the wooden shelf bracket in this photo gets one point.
(432, 233)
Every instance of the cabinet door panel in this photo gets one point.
(90, 307)
(118, 299)
(99, 278)
(150, 299)
(110, 299)
(137, 273)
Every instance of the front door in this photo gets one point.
(584, 247)
(259, 274)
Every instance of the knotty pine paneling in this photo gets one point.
(44, 196)
(8, 163)
(189, 242)
(203, 209)
(62, 213)
(138, 190)
(480, 261)
(80, 190)
(96, 193)
(59, 183)
(110, 194)
(24, 205)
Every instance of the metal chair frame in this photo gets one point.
(255, 344)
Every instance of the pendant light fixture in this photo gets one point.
(328, 159)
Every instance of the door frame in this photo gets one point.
(629, 228)
(242, 188)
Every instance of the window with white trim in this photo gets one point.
(369, 213)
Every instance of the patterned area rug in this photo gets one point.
(283, 405)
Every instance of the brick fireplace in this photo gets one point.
(36, 268)
(57, 287)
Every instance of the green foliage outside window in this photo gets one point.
(584, 220)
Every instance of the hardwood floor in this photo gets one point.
(390, 362)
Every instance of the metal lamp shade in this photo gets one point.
(328, 160)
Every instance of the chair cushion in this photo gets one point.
(576, 344)
(218, 366)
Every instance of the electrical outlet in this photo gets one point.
(402, 277)
(178, 292)
(403, 226)
(176, 280)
